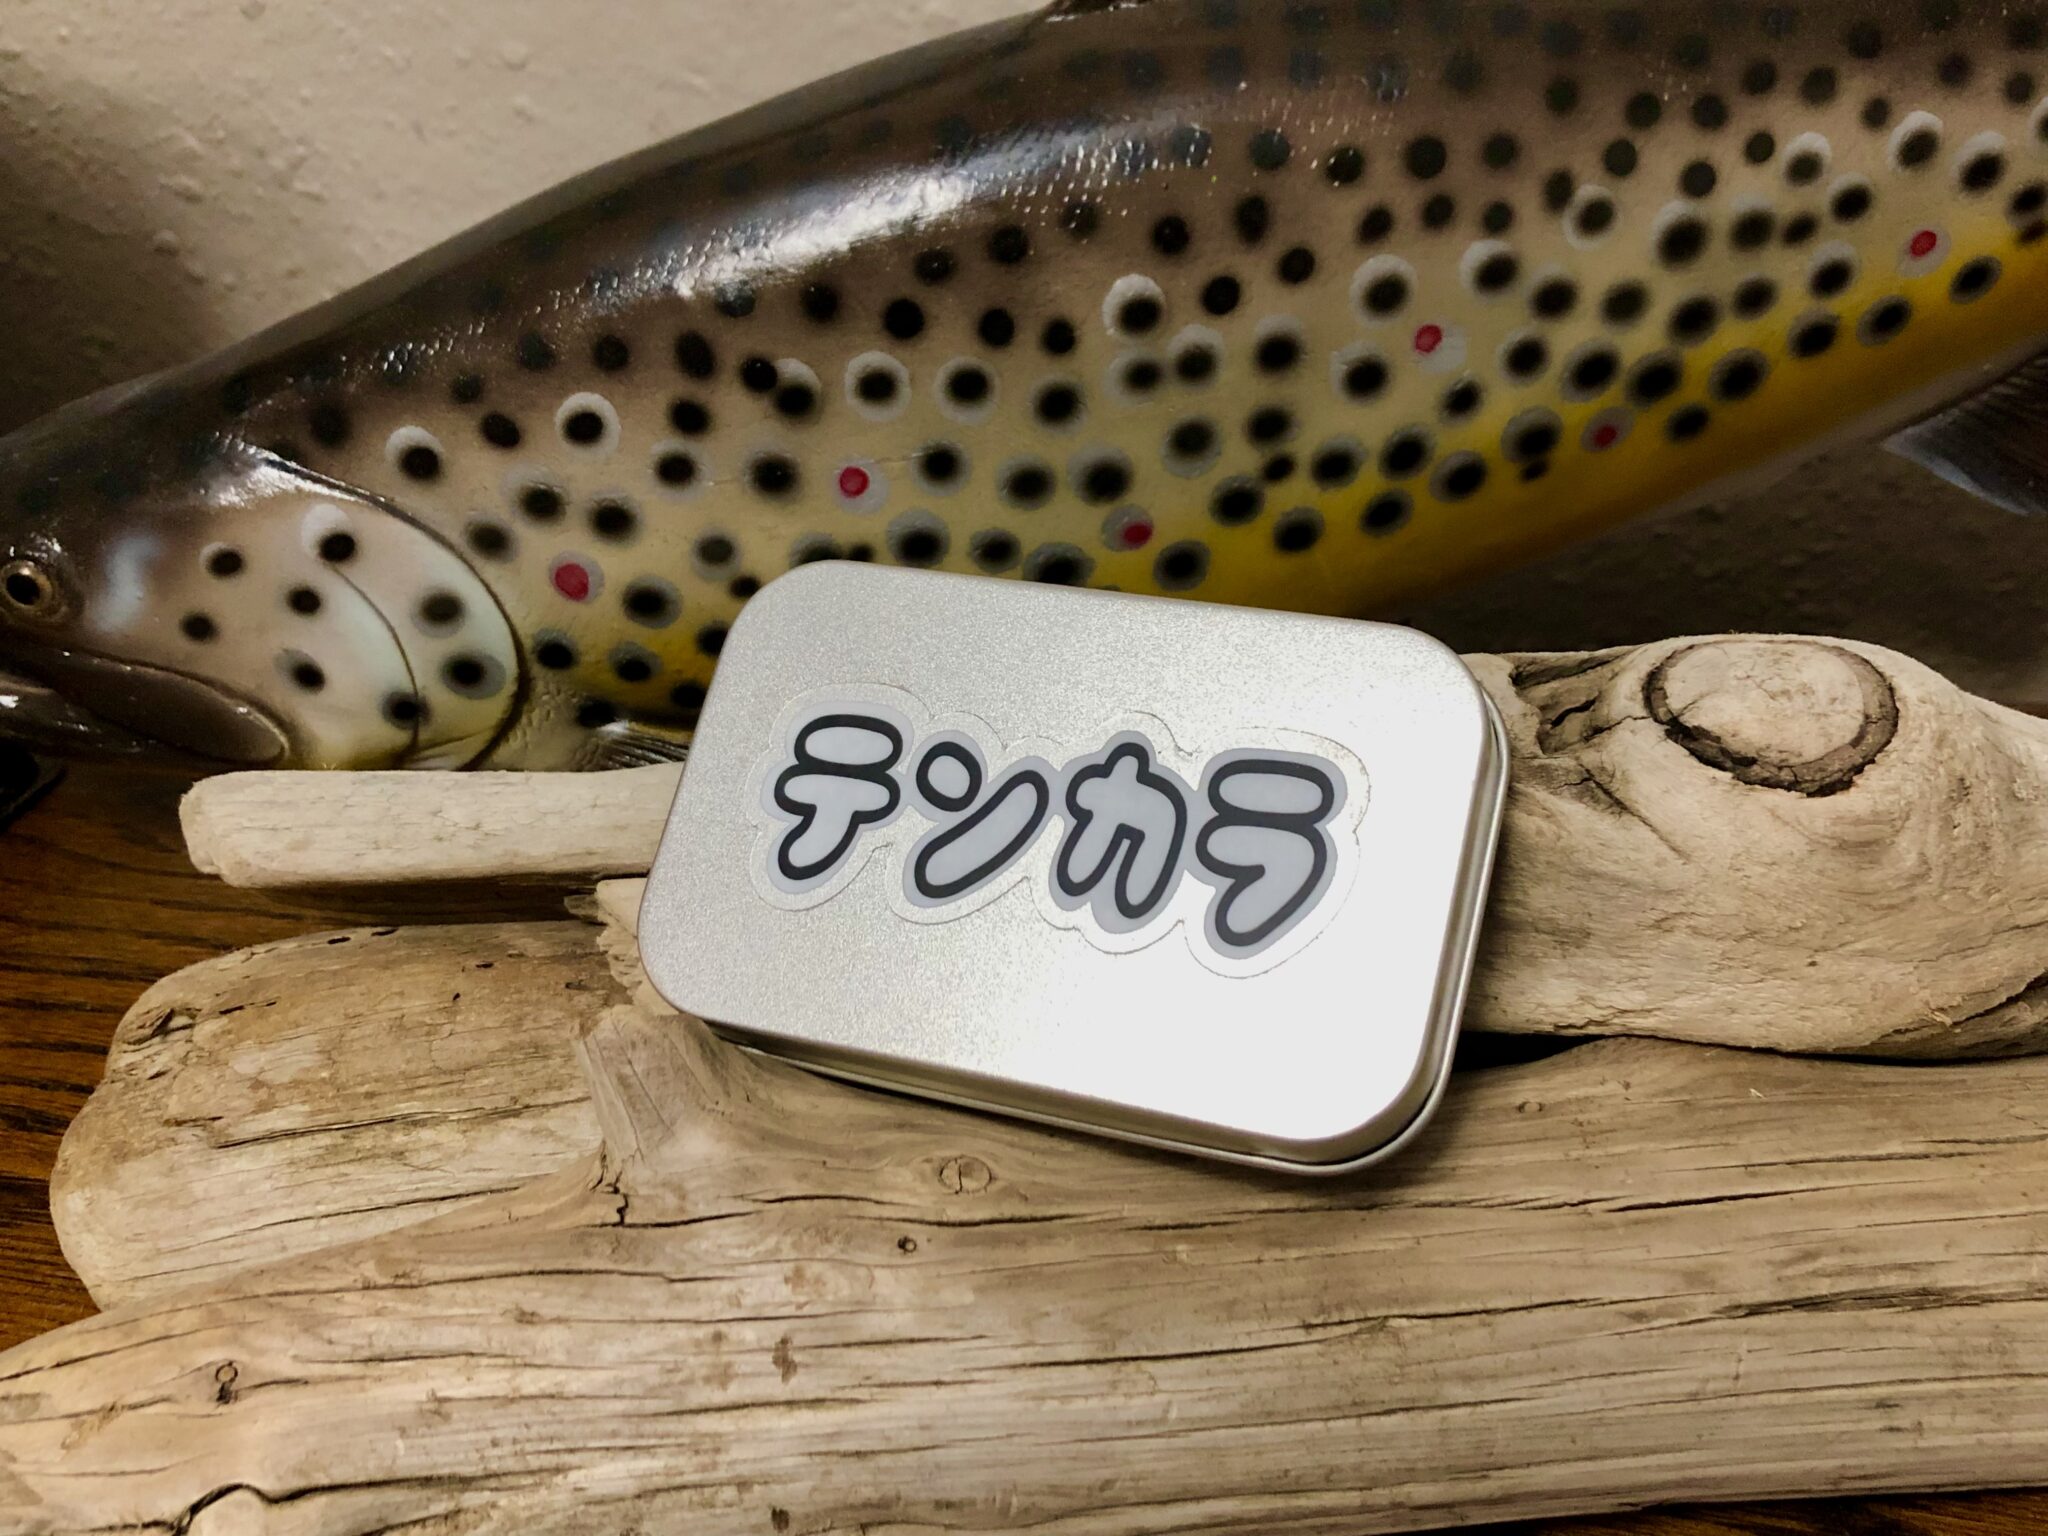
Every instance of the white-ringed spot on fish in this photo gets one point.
(415, 452)
(877, 386)
(576, 577)
(1127, 528)
(860, 486)
(1438, 348)
(588, 422)
(1924, 251)
(1134, 306)
(1606, 430)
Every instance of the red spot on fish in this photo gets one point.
(1428, 338)
(572, 581)
(853, 482)
(1923, 243)
(1135, 534)
(1606, 435)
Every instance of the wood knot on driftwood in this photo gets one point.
(1797, 715)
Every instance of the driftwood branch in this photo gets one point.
(322, 831)
(1632, 1272)
(1798, 844)
(1774, 843)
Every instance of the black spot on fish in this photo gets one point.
(1080, 218)
(1344, 165)
(1404, 453)
(1737, 376)
(1170, 235)
(419, 462)
(1009, 245)
(1625, 304)
(1426, 157)
(1974, 279)
(695, 356)
(610, 354)
(1189, 145)
(534, 352)
(1385, 513)
(329, 424)
(1686, 423)
(1655, 378)
(500, 430)
(1236, 502)
(614, 521)
(996, 328)
(1253, 218)
(1812, 337)
(820, 302)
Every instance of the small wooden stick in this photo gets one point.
(1633, 1272)
(283, 831)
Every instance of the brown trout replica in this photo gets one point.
(1305, 303)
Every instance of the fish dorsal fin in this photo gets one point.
(627, 744)
(1994, 444)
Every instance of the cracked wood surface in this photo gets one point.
(1632, 1271)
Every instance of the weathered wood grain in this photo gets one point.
(1634, 1271)
(326, 1088)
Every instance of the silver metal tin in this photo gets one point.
(927, 839)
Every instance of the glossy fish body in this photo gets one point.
(1303, 303)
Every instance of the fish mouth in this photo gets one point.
(136, 710)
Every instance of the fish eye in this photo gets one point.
(28, 588)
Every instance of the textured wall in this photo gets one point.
(176, 173)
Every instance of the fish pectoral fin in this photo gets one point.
(1994, 444)
(629, 744)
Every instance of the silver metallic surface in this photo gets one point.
(862, 720)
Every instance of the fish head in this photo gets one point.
(240, 610)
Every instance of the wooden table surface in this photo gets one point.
(97, 901)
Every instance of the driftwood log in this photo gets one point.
(1776, 843)
(1633, 1271)
(1683, 856)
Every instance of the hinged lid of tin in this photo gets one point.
(1203, 877)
